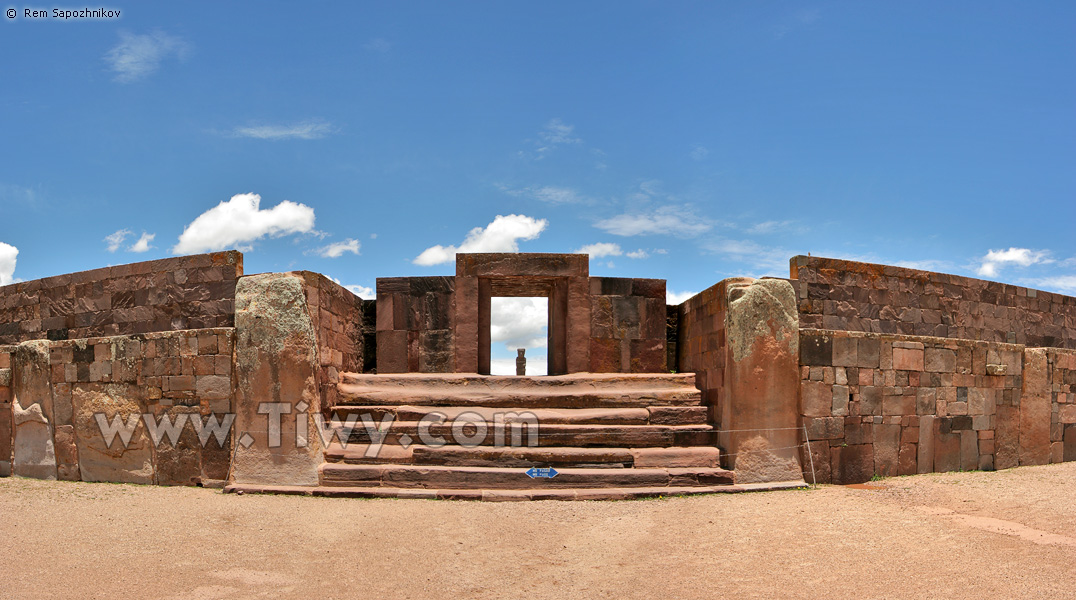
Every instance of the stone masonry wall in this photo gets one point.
(185, 372)
(337, 316)
(702, 343)
(627, 325)
(414, 324)
(6, 425)
(899, 405)
(853, 296)
(1062, 373)
(189, 292)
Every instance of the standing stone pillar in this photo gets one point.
(762, 358)
(34, 453)
(1035, 409)
(521, 362)
(276, 363)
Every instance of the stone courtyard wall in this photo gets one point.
(627, 325)
(337, 318)
(899, 405)
(62, 386)
(189, 292)
(854, 296)
(414, 324)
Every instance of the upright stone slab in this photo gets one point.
(276, 362)
(1035, 408)
(34, 452)
(762, 408)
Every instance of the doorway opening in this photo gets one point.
(519, 322)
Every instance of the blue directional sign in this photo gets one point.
(546, 473)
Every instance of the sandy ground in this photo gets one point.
(1010, 534)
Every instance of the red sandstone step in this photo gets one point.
(654, 415)
(701, 456)
(623, 436)
(351, 394)
(436, 477)
(501, 382)
(514, 495)
(581, 390)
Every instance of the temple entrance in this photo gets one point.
(519, 322)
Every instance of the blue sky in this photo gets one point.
(688, 141)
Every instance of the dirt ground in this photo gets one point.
(1010, 534)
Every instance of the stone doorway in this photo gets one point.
(519, 322)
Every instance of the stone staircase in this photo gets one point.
(476, 437)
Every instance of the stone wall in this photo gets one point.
(6, 425)
(64, 385)
(702, 344)
(414, 324)
(898, 405)
(853, 296)
(189, 292)
(337, 317)
(627, 325)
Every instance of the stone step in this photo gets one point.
(580, 390)
(438, 477)
(520, 434)
(485, 456)
(501, 382)
(513, 495)
(652, 415)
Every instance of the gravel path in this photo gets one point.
(956, 535)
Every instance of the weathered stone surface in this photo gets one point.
(66, 453)
(276, 363)
(179, 463)
(925, 460)
(1007, 438)
(34, 454)
(33, 450)
(763, 380)
(852, 463)
(130, 462)
(886, 449)
(1035, 409)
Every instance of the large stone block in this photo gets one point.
(763, 357)
(852, 464)
(111, 438)
(1035, 409)
(886, 449)
(276, 370)
(33, 452)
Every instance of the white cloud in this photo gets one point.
(137, 56)
(768, 227)
(699, 152)
(1062, 284)
(640, 253)
(680, 221)
(502, 235)
(558, 132)
(549, 193)
(306, 130)
(142, 245)
(337, 249)
(600, 250)
(366, 293)
(772, 260)
(997, 259)
(239, 221)
(115, 240)
(677, 298)
(518, 322)
(8, 254)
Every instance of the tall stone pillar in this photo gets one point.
(276, 362)
(762, 370)
(34, 453)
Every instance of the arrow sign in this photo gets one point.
(546, 473)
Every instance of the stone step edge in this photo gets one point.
(518, 495)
